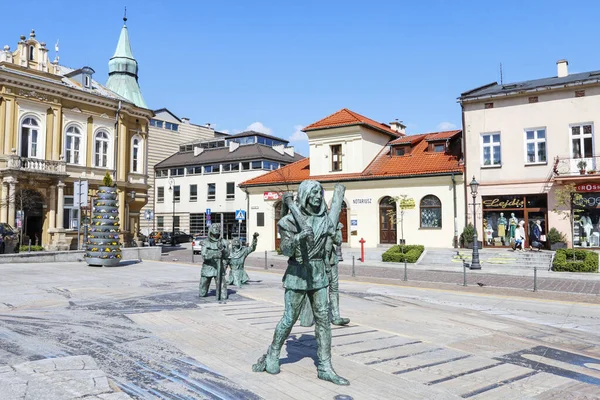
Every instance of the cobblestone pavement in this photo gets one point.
(141, 331)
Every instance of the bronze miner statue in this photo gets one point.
(304, 235)
(333, 249)
(215, 253)
(237, 257)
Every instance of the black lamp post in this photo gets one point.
(475, 259)
(172, 190)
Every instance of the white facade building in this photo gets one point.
(378, 164)
(165, 134)
(523, 141)
(205, 175)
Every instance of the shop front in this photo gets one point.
(502, 214)
(586, 211)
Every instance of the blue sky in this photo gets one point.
(281, 65)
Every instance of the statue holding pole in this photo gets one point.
(304, 236)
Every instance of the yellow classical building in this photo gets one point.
(58, 126)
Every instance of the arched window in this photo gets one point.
(31, 52)
(29, 137)
(72, 145)
(431, 212)
(136, 144)
(101, 149)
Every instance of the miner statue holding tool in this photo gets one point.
(304, 235)
(237, 257)
(215, 255)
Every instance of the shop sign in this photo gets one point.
(503, 202)
(367, 200)
(272, 195)
(588, 201)
(588, 187)
(407, 204)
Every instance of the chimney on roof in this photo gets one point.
(185, 120)
(398, 126)
(562, 67)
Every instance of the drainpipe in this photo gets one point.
(455, 212)
(464, 157)
(247, 214)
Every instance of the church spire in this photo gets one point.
(123, 70)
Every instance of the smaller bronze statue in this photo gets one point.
(237, 258)
(215, 252)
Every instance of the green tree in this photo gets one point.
(568, 204)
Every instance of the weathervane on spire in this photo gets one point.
(125, 16)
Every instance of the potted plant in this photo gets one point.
(581, 165)
(556, 239)
(466, 237)
(103, 246)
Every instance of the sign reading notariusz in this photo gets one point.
(367, 200)
(407, 204)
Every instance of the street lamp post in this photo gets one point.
(172, 190)
(475, 264)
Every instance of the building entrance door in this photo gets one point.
(387, 221)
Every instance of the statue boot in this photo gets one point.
(334, 303)
(268, 362)
(325, 372)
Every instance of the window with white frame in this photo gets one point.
(30, 129)
(581, 141)
(193, 192)
(336, 157)
(490, 149)
(211, 192)
(230, 191)
(176, 193)
(101, 142)
(70, 214)
(160, 223)
(177, 171)
(160, 194)
(72, 145)
(535, 141)
(136, 155)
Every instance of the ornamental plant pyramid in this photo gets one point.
(103, 247)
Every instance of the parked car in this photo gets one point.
(9, 239)
(180, 237)
(197, 244)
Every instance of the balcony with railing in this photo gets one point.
(576, 168)
(32, 165)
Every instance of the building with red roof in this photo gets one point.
(379, 164)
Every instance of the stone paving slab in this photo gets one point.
(74, 377)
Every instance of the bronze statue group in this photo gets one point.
(310, 236)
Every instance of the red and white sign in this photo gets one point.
(272, 195)
(588, 187)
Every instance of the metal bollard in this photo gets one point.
(266, 260)
(405, 275)
(464, 273)
(535, 279)
(353, 270)
(29, 246)
(193, 253)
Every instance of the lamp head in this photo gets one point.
(474, 187)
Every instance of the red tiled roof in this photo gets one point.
(443, 135)
(418, 162)
(345, 117)
(412, 139)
